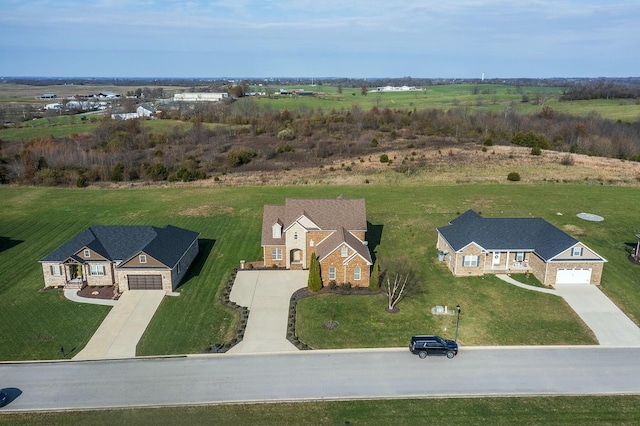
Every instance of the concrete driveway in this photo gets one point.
(119, 333)
(267, 295)
(610, 325)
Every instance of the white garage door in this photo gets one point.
(573, 276)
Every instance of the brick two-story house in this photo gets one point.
(331, 229)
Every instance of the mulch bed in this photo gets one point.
(633, 260)
(102, 292)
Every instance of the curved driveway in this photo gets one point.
(609, 324)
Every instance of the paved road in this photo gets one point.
(314, 375)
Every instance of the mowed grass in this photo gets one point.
(559, 410)
(34, 221)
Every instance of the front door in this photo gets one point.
(496, 257)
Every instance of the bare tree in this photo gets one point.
(397, 289)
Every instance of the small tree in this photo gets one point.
(315, 280)
(374, 281)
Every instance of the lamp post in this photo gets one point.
(457, 320)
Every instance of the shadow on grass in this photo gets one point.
(7, 243)
(205, 247)
(374, 236)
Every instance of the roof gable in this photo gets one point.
(337, 240)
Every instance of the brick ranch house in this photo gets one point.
(128, 257)
(474, 245)
(332, 229)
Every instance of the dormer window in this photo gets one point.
(277, 230)
(344, 251)
(143, 258)
(87, 253)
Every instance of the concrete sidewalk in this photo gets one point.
(267, 295)
(123, 327)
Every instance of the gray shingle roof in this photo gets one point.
(501, 234)
(119, 243)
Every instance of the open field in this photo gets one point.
(591, 410)
(34, 221)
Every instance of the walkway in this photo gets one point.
(267, 295)
(72, 294)
(609, 324)
(123, 327)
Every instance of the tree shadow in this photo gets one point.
(205, 246)
(374, 236)
(7, 243)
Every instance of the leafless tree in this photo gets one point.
(397, 289)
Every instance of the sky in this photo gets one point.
(322, 38)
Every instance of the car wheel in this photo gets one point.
(450, 355)
(422, 354)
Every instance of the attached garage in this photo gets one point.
(145, 282)
(573, 276)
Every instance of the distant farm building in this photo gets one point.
(48, 96)
(199, 97)
(143, 110)
(396, 88)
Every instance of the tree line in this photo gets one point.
(243, 135)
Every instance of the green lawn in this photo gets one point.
(560, 410)
(34, 221)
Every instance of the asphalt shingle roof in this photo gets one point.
(501, 234)
(327, 213)
(119, 243)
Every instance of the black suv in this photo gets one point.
(433, 345)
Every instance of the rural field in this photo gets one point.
(34, 221)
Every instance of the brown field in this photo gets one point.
(462, 164)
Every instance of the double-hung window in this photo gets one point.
(576, 251)
(276, 254)
(520, 256)
(55, 270)
(97, 270)
(344, 251)
(332, 273)
(470, 260)
(356, 274)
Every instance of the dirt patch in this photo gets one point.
(206, 211)
(575, 230)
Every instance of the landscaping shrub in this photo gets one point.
(315, 280)
(374, 280)
(513, 176)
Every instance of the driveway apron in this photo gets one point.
(123, 327)
(610, 325)
(267, 295)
